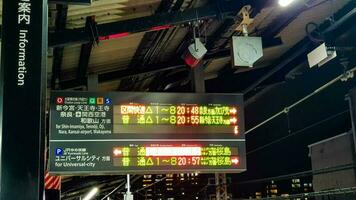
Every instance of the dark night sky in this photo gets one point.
(291, 154)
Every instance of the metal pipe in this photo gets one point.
(341, 21)
(286, 109)
(352, 114)
(300, 51)
(285, 62)
(128, 183)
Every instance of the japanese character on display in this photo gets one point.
(59, 108)
(80, 108)
(96, 114)
(71, 108)
(24, 11)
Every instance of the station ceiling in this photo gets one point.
(150, 48)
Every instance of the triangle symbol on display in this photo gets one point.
(149, 110)
(149, 162)
(149, 120)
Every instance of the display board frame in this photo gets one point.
(216, 136)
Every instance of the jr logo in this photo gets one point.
(59, 152)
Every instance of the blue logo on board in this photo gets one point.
(108, 101)
(59, 152)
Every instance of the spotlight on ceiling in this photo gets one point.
(91, 194)
(285, 3)
(321, 55)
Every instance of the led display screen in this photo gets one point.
(122, 132)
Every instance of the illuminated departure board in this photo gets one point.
(184, 118)
(173, 155)
(123, 132)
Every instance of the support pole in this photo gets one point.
(128, 195)
(128, 183)
(23, 98)
(221, 187)
(198, 81)
(198, 85)
(93, 83)
(352, 102)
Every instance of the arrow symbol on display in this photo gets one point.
(235, 161)
(233, 120)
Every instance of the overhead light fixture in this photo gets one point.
(91, 194)
(321, 55)
(285, 3)
(195, 53)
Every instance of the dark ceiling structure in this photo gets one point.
(155, 41)
(136, 45)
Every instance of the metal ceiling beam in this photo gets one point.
(288, 57)
(303, 46)
(152, 44)
(149, 39)
(283, 20)
(228, 9)
(84, 58)
(127, 73)
(85, 51)
(61, 20)
(222, 35)
(143, 24)
(117, 75)
(267, 43)
(145, 51)
(224, 9)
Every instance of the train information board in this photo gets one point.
(131, 132)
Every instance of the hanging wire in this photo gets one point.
(197, 22)
(196, 30)
(114, 190)
(332, 11)
(288, 122)
(319, 37)
(297, 132)
(310, 33)
(300, 174)
(317, 91)
(150, 185)
(205, 34)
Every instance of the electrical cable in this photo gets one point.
(114, 190)
(319, 38)
(301, 174)
(316, 31)
(118, 187)
(297, 132)
(288, 123)
(323, 87)
(150, 185)
(315, 5)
